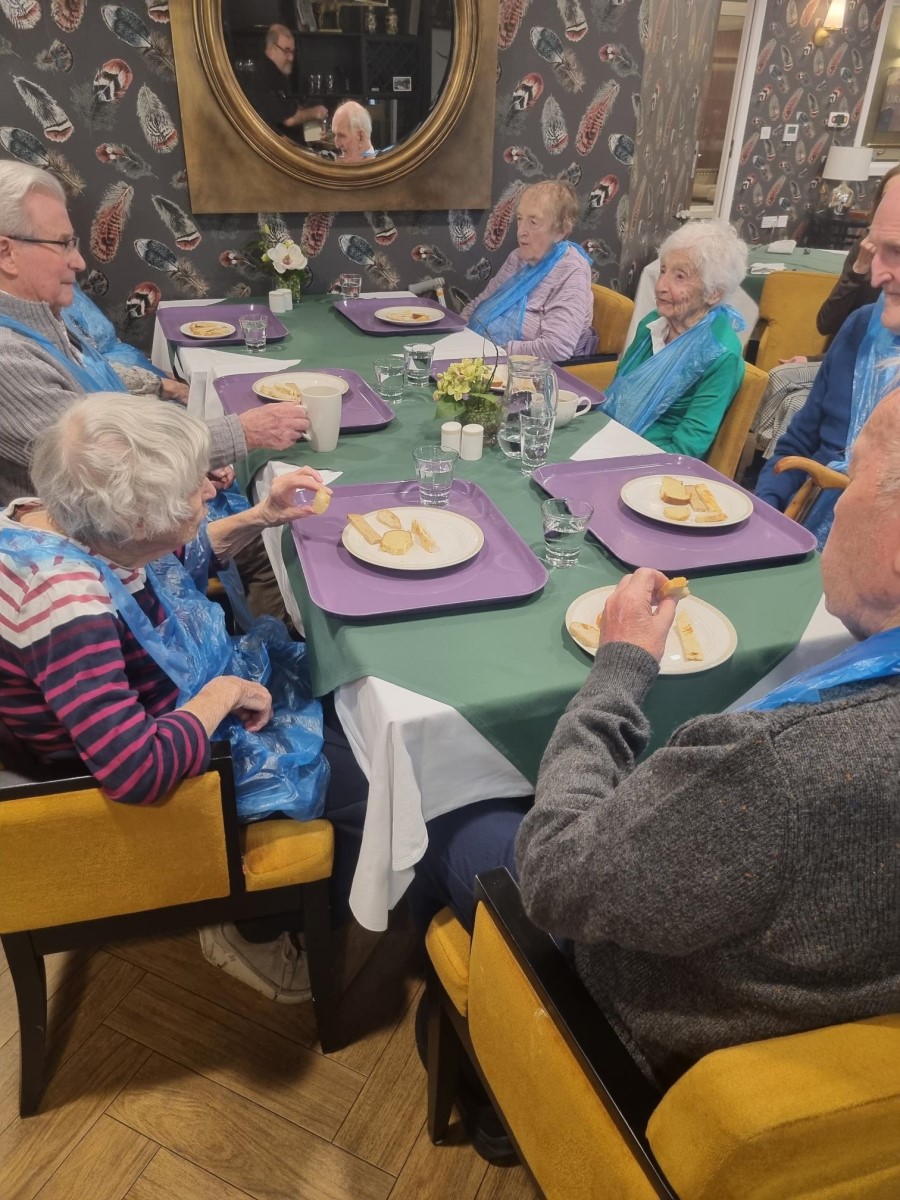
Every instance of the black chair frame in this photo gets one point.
(25, 950)
(628, 1097)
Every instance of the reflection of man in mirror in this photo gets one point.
(352, 127)
(269, 88)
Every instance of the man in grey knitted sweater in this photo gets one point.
(743, 881)
(41, 363)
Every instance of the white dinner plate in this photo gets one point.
(642, 495)
(299, 379)
(224, 330)
(409, 314)
(457, 537)
(715, 633)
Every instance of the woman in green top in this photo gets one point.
(684, 366)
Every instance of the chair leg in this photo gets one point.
(30, 981)
(443, 1061)
(317, 934)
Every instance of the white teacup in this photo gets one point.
(569, 406)
(322, 402)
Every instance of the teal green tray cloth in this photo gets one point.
(510, 671)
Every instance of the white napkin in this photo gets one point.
(387, 296)
(275, 467)
(466, 344)
(766, 268)
(614, 441)
(218, 363)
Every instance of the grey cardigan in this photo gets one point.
(35, 389)
(741, 883)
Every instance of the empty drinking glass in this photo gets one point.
(389, 374)
(535, 431)
(418, 362)
(565, 524)
(254, 327)
(351, 286)
(434, 471)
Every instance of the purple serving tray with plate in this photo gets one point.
(171, 320)
(504, 569)
(361, 313)
(766, 536)
(565, 381)
(362, 408)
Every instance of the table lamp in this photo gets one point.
(846, 164)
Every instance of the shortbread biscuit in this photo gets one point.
(397, 541)
(362, 527)
(423, 537)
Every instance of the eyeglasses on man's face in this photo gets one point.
(288, 50)
(68, 245)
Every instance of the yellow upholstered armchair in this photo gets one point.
(788, 307)
(77, 870)
(725, 452)
(612, 316)
(813, 1116)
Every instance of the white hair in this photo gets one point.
(116, 468)
(716, 251)
(17, 180)
(358, 119)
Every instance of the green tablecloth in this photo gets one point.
(510, 671)
(820, 262)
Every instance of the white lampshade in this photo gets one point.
(848, 162)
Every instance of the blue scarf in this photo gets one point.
(872, 380)
(645, 393)
(281, 768)
(92, 374)
(502, 315)
(878, 657)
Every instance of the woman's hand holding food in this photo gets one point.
(281, 503)
(636, 613)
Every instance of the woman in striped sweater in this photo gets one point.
(109, 652)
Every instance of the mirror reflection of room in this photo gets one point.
(377, 67)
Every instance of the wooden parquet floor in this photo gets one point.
(169, 1080)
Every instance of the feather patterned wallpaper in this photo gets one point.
(799, 83)
(89, 92)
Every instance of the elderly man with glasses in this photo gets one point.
(269, 90)
(45, 366)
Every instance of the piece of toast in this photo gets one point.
(588, 635)
(711, 518)
(673, 491)
(704, 492)
(388, 517)
(423, 537)
(283, 391)
(698, 504)
(676, 514)
(677, 588)
(209, 328)
(364, 529)
(397, 541)
(690, 646)
(321, 501)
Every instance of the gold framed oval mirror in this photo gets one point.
(237, 163)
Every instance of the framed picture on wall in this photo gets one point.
(402, 83)
(889, 110)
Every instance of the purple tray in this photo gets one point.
(362, 314)
(766, 536)
(504, 569)
(171, 320)
(566, 381)
(362, 409)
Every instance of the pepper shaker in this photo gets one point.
(471, 442)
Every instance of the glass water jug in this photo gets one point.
(531, 386)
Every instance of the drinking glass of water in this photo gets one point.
(565, 524)
(389, 374)
(434, 471)
(351, 286)
(418, 362)
(535, 431)
(254, 329)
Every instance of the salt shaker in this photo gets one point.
(471, 442)
(450, 436)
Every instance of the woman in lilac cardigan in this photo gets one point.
(540, 300)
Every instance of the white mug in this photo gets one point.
(569, 406)
(322, 402)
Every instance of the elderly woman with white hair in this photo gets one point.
(110, 654)
(684, 366)
(540, 301)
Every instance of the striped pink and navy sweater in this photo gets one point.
(74, 680)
